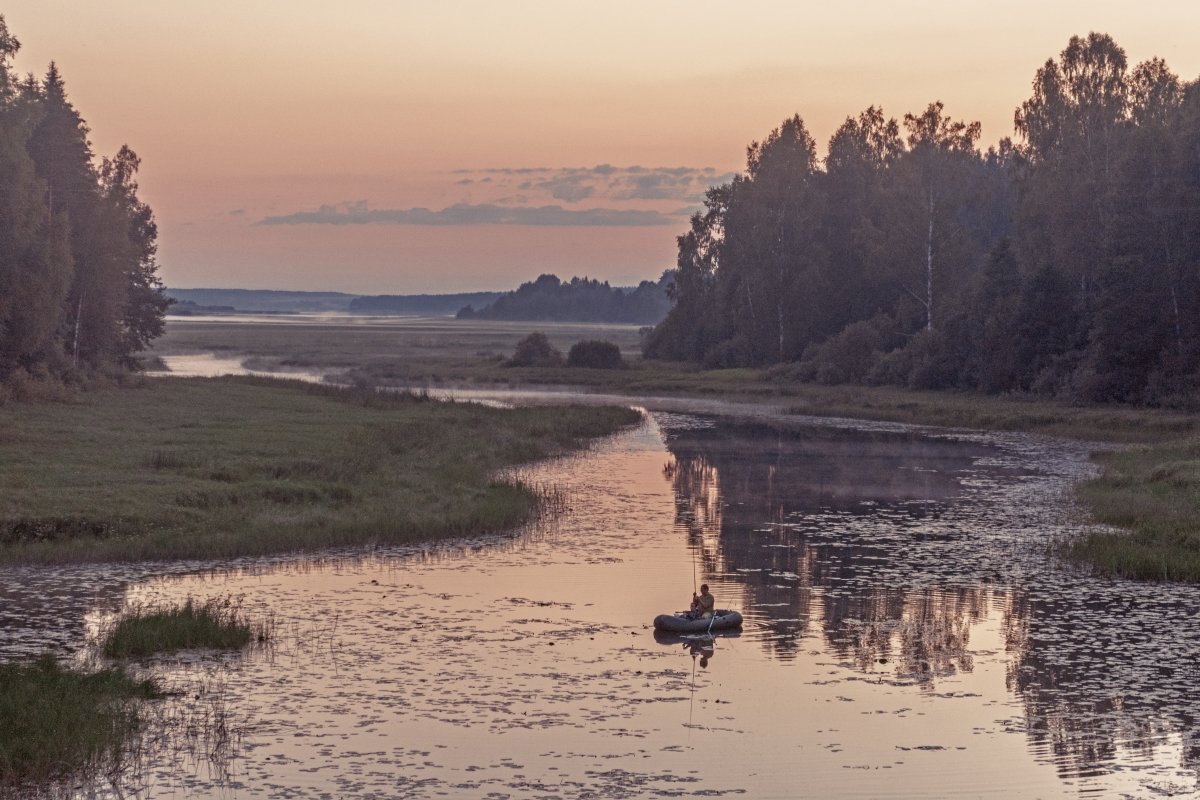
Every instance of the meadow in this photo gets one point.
(208, 468)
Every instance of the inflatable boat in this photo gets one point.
(722, 619)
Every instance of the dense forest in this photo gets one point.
(578, 300)
(78, 283)
(1066, 263)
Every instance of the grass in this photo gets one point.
(58, 724)
(202, 468)
(217, 624)
(1153, 494)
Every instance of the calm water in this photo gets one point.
(908, 634)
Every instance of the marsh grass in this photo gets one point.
(59, 724)
(1154, 494)
(217, 623)
(176, 468)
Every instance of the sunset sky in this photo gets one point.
(376, 146)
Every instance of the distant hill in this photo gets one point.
(579, 300)
(433, 304)
(227, 300)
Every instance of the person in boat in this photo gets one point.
(702, 604)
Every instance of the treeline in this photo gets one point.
(433, 304)
(1065, 264)
(578, 300)
(78, 283)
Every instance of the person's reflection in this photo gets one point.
(702, 648)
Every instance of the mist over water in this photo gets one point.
(908, 634)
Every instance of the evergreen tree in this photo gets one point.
(78, 275)
(35, 267)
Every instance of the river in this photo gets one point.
(909, 633)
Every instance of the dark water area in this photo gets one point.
(909, 633)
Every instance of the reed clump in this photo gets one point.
(217, 623)
(59, 724)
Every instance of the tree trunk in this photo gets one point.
(929, 267)
(78, 317)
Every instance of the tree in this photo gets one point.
(535, 350)
(931, 193)
(696, 321)
(595, 354)
(145, 304)
(114, 306)
(1071, 128)
(35, 267)
(772, 263)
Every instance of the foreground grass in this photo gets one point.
(58, 724)
(217, 624)
(1154, 494)
(223, 467)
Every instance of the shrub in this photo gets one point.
(596, 355)
(850, 356)
(731, 353)
(535, 350)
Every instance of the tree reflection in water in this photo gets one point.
(891, 546)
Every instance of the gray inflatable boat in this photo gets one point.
(722, 619)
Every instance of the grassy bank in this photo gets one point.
(1153, 493)
(223, 467)
(59, 724)
(217, 624)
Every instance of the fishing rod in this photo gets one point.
(694, 586)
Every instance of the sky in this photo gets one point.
(392, 147)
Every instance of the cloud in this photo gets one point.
(358, 213)
(571, 187)
(237, 212)
(576, 184)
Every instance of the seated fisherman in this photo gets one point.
(702, 604)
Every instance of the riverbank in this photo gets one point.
(207, 468)
(413, 352)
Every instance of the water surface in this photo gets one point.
(908, 634)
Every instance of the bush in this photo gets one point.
(731, 353)
(535, 350)
(596, 355)
(850, 356)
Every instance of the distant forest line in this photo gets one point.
(546, 299)
(1065, 263)
(579, 300)
(79, 289)
(198, 301)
